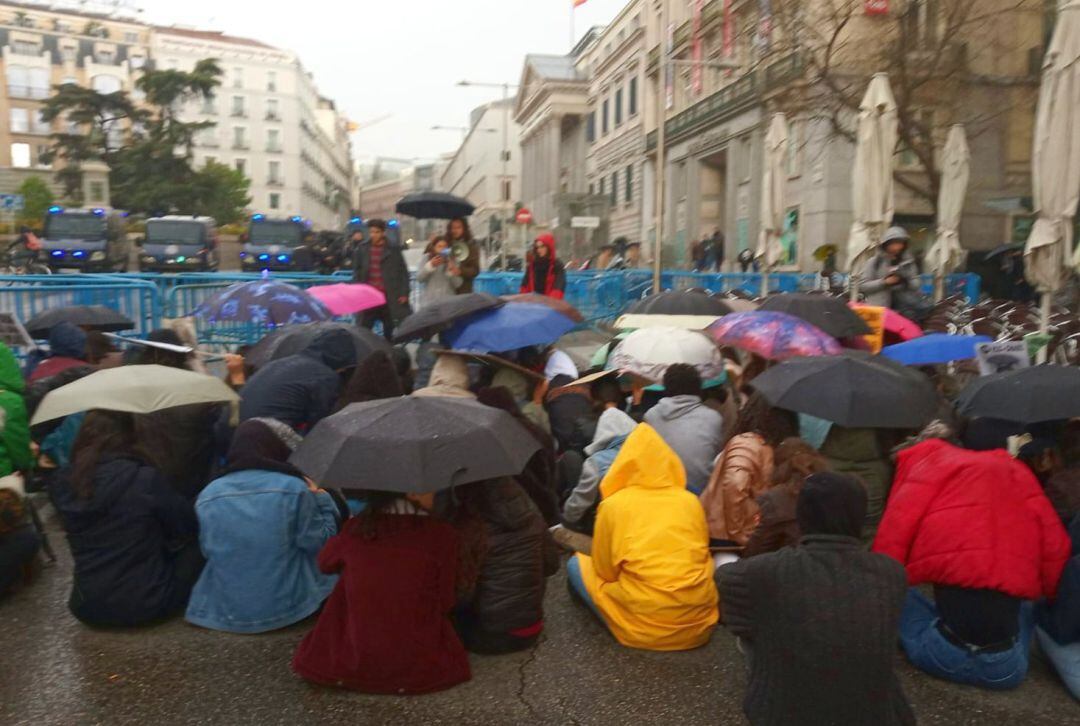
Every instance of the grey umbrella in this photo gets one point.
(414, 445)
(852, 390)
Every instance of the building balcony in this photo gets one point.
(271, 116)
(33, 92)
(238, 113)
(273, 148)
(241, 146)
(276, 183)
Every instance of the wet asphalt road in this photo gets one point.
(53, 670)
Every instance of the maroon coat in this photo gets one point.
(386, 627)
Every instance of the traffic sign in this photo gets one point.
(11, 202)
(584, 222)
(524, 216)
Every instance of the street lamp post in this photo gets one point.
(661, 123)
(503, 216)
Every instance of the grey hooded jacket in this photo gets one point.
(611, 430)
(694, 431)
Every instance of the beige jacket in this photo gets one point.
(743, 471)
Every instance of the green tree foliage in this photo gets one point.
(221, 192)
(37, 198)
(149, 153)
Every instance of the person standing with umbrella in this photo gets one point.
(544, 273)
(457, 234)
(379, 264)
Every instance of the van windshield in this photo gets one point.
(174, 232)
(75, 226)
(275, 233)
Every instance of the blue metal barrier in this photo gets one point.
(25, 296)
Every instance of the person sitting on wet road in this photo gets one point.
(650, 574)
(261, 526)
(694, 430)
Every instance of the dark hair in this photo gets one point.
(98, 345)
(465, 507)
(403, 366)
(467, 233)
(607, 390)
(430, 249)
(758, 416)
(101, 433)
(377, 224)
(375, 378)
(159, 356)
(682, 379)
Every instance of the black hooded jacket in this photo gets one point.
(300, 389)
(520, 556)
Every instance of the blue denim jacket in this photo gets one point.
(260, 532)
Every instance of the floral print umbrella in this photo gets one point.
(773, 335)
(263, 302)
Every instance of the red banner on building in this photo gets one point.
(876, 7)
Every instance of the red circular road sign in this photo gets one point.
(524, 216)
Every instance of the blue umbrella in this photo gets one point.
(263, 302)
(513, 326)
(934, 349)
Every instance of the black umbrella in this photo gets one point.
(291, 339)
(414, 445)
(1028, 395)
(679, 302)
(826, 312)
(857, 391)
(434, 205)
(438, 316)
(90, 317)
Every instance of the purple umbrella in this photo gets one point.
(263, 302)
(772, 335)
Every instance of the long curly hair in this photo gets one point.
(793, 461)
(758, 416)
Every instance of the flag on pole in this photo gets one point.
(579, 3)
(696, 72)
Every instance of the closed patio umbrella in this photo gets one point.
(872, 175)
(1055, 162)
(946, 254)
(773, 189)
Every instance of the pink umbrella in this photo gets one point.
(896, 325)
(345, 299)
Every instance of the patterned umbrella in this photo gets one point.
(772, 335)
(265, 302)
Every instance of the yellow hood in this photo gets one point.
(645, 460)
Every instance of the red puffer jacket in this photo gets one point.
(974, 519)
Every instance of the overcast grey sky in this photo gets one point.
(400, 57)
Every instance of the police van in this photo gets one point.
(177, 243)
(84, 240)
(278, 244)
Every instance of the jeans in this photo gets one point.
(577, 584)
(16, 549)
(930, 651)
(1066, 660)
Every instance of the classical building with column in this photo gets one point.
(552, 109)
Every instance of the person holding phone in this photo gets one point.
(440, 273)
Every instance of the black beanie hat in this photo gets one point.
(831, 503)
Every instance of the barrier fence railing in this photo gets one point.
(148, 298)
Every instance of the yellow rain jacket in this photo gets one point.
(651, 574)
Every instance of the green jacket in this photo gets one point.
(15, 452)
